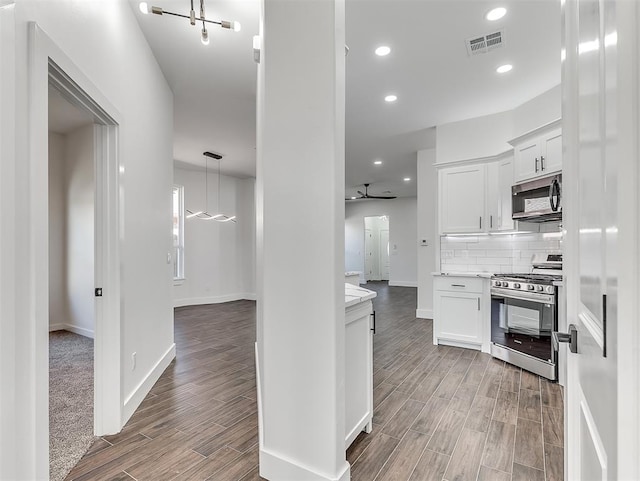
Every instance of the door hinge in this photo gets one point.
(373, 314)
(98, 291)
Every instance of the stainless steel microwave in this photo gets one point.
(538, 200)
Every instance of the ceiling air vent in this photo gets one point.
(485, 43)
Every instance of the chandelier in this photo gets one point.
(144, 8)
(204, 214)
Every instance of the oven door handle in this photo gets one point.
(536, 300)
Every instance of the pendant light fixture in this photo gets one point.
(204, 214)
(204, 34)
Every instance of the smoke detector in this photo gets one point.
(485, 43)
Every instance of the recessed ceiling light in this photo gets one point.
(496, 14)
(378, 162)
(383, 50)
(407, 179)
(353, 198)
(390, 98)
(504, 68)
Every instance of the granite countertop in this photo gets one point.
(355, 295)
(483, 275)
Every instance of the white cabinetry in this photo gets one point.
(462, 199)
(476, 197)
(460, 312)
(538, 153)
(499, 182)
(359, 322)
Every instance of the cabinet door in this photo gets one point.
(527, 160)
(493, 196)
(462, 199)
(551, 151)
(505, 181)
(459, 317)
(499, 182)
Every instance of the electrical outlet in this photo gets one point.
(133, 361)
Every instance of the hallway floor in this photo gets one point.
(440, 412)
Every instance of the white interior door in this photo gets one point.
(594, 168)
(384, 254)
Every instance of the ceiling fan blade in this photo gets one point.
(361, 193)
(381, 197)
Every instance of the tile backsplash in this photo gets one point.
(495, 253)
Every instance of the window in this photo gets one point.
(178, 232)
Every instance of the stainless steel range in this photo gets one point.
(524, 313)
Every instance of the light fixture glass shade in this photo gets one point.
(236, 26)
(144, 7)
(205, 37)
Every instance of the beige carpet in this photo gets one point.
(70, 401)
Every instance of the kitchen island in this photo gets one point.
(359, 330)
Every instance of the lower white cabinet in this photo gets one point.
(358, 370)
(460, 316)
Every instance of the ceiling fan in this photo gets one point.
(366, 195)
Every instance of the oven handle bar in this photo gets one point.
(537, 298)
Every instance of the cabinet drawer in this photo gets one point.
(458, 284)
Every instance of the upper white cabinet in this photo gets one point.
(462, 199)
(476, 197)
(538, 153)
(499, 182)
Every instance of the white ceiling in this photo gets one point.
(428, 69)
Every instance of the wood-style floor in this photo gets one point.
(440, 412)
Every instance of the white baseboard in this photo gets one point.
(75, 329)
(134, 399)
(424, 313)
(198, 301)
(403, 283)
(273, 466)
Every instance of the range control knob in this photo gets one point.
(516, 285)
(540, 288)
(550, 289)
(530, 287)
(497, 283)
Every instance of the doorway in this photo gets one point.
(71, 281)
(50, 66)
(376, 248)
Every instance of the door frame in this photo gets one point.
(628, 462)
(49, 64)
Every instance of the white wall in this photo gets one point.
(80, 206)
(219, 257)
(427, 230)
(538, 111)
(71, 231)
(104, 42)
(474, 138)
(402, 237)
(58, 306)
